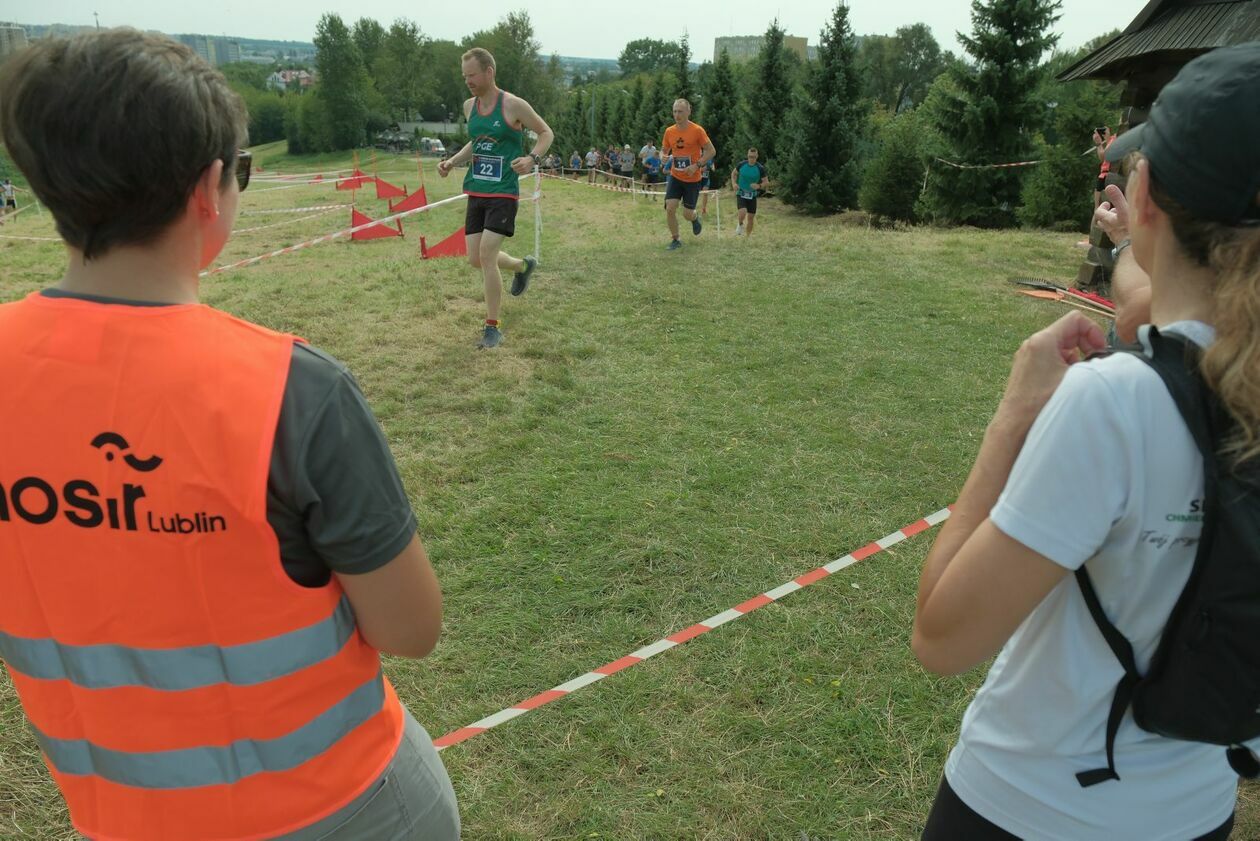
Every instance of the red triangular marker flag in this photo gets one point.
(413, 201)
(385, 190)
(355, 183)
(453, 246)
(377, 231)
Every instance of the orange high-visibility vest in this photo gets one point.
(180, 685)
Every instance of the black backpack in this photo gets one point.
(1203, 684)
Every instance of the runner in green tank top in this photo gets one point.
(495, 145)
(496, 123)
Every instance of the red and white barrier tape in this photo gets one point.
(286, 221)
(987, 166)
(299, 246)
(289, 176)
(702, 627)
(636, 187)
(327, 237)
(290, 210)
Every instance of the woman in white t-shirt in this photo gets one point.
(1091, 464)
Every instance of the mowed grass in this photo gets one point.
(662, 436)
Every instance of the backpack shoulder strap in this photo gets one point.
(1176, 362)
(1124, 689)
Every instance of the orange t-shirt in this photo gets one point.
(686, 145)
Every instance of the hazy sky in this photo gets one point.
(568, 27)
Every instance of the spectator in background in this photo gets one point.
(592, 165)
(610, 163)
(1102, 142)
(9, 193)
(652, 173)
(626, 161)
(706, 179)
(575, 163)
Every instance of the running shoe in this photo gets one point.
(695, 226)
(492, 337)
(674, 245)
(520, 280)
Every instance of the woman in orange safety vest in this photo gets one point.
(204, 541)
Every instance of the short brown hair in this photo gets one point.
(480, 55)
(112, 130)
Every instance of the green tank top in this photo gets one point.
(495, 145)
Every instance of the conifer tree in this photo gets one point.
(630, 113)
(825, 125)
(768, 101)
(599, 116)
(574, 134)
(682, 70)
(992, 115)
(719, 114)
(655, 111)
(613, 131)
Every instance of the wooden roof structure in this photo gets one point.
(1164, 36)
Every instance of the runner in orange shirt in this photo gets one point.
(685, 150)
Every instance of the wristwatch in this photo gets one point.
(1120, 246)
(537, 160)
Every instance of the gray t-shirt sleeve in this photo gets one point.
(334, 496)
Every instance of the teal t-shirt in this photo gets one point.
(748, 177)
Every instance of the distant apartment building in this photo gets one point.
(215, 51)
(746, 47)
(226, 52)
(12, 39)
(281, 80)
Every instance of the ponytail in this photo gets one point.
(1231, 365)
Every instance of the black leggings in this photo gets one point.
(953, 820)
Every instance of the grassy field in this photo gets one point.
(662, 436)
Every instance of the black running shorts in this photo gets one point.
(490, 214)
(688, 191)
(750, 205)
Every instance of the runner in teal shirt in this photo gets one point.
(748, 180)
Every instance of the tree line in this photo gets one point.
(892, 125)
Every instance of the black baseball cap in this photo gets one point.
(1203, 136)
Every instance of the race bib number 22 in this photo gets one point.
(487, 167)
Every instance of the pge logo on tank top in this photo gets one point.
(37, 501)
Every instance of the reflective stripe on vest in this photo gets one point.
(209, 766)
(173, 669)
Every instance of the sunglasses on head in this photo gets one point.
(244, 164)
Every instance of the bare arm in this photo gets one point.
(1130, 285)
(524, 113)
(398, 607)
(1131, 291)
(463, 155)
(977, 584)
